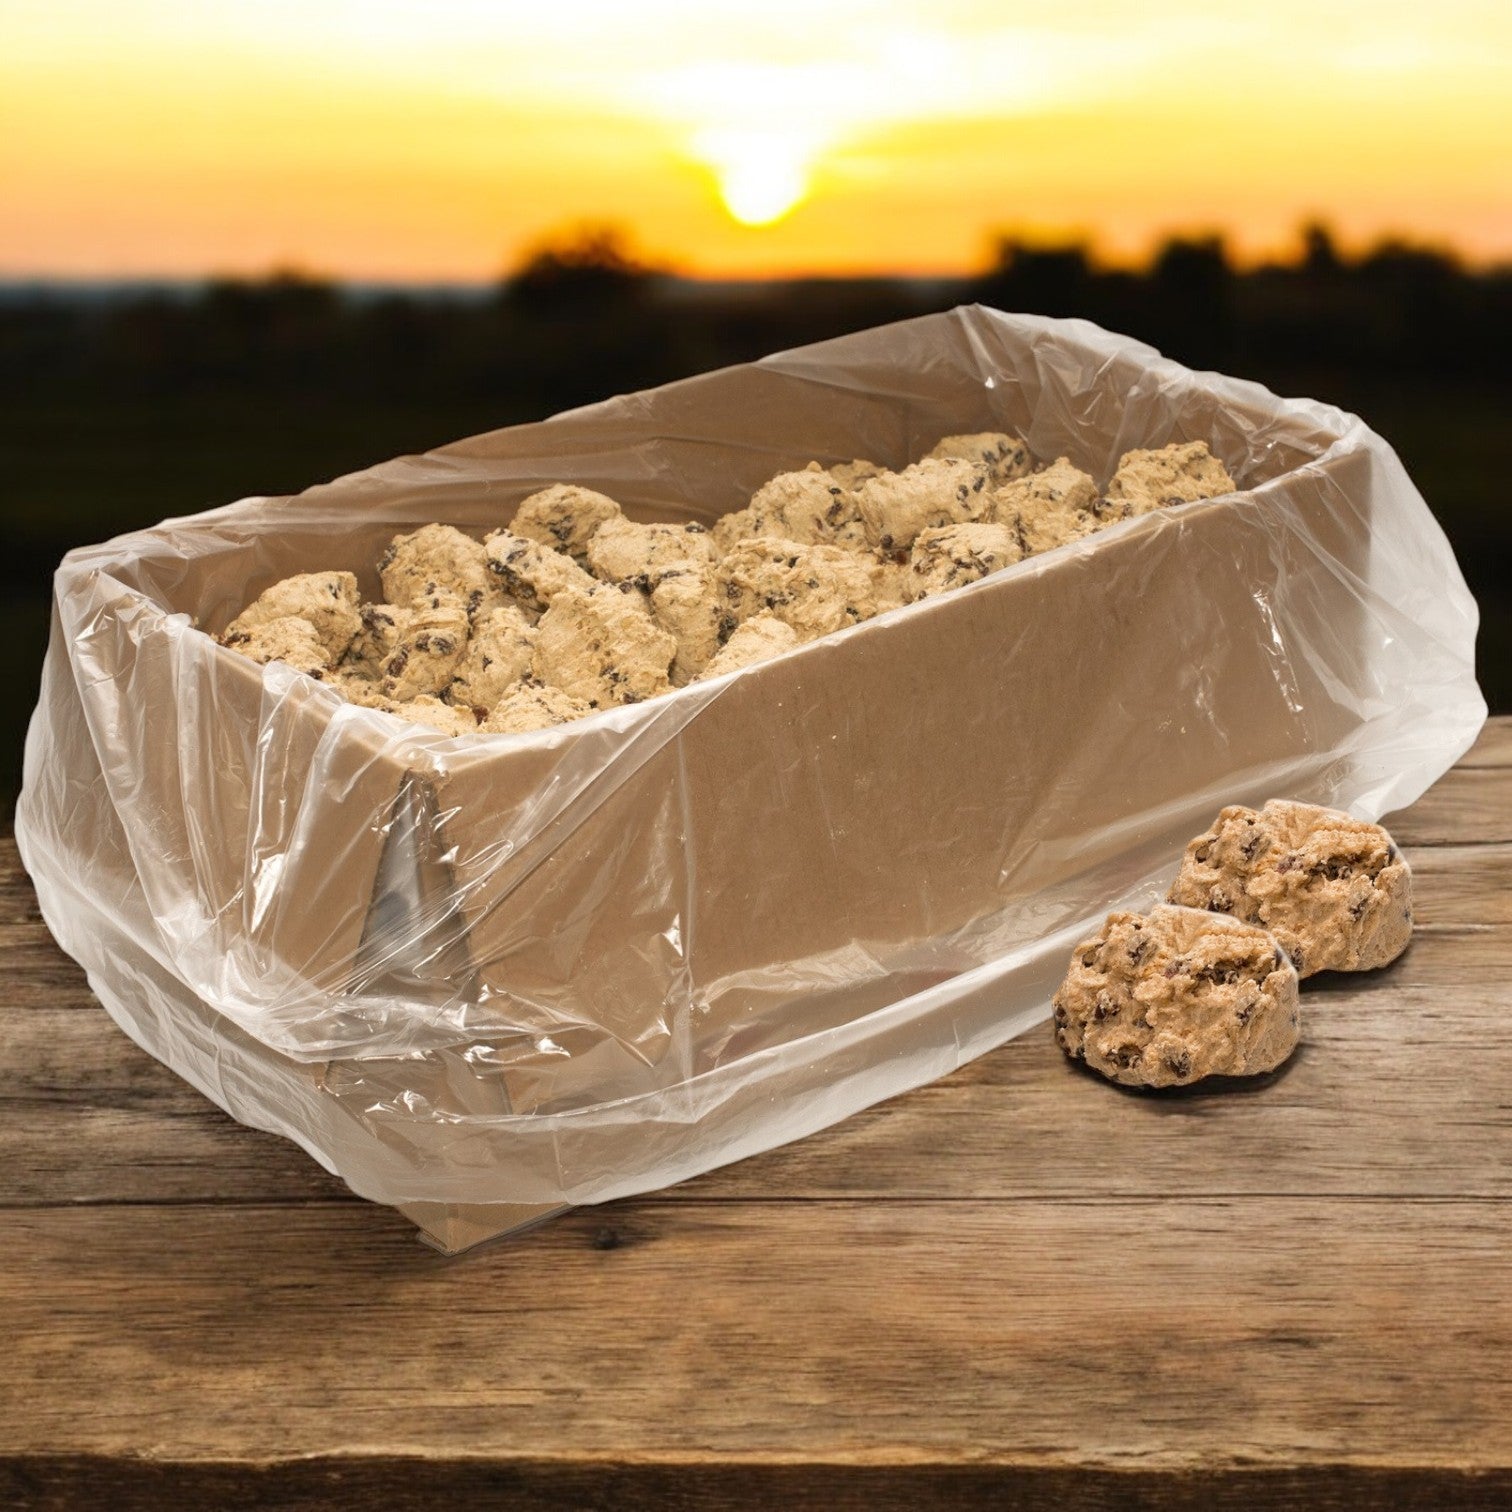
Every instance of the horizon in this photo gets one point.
(168, 140)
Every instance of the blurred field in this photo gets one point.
(120, 412)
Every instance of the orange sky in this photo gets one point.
(373, 139)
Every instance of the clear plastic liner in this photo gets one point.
(517, 972)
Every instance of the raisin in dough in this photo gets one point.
(603, 648)
(290, 640)
(952, 555)
(687, 604)
(530, 574)
(755, 575)
(564, 517)
(429, 649)
(1175, 474)
(1333, 889)
(828, 589)
(326, 601)
(1166, 998)
(437, 560)
(809, 506)
(532, 706)
(897, 506)
(625, 551)
(757, 640)
(498, 655)
(1005, 457)
(381, 627)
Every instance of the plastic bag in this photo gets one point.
(524, 971)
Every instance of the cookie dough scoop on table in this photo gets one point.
(1167, 998)
(1333, 889)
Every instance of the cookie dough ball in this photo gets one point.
(951, 555)
(1166, 998)
(1175, 474)
(757, 640)
(849, 474)
(445, 717)
(687, 604)
(1005, 457)
(499, 653)
(290, 640)
(809, 506)
(428, 652)
(381, 627)
(437, 560)
(530, 574)
(602, 648)
(532, 706)
(729, 530)
(897, 506)
(564, 517)
(756, 575)
(827, 589)
(891, 580)
(326, 601)
(1053, 505)
(1333, 889)
(624, 551)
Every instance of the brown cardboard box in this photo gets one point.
(597, 940)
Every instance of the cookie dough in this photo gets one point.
(289, 639)
(951, 555)
(429, 650)
(624, 551)
(499, 653)
(849, 474)
(1005, 457)
(811, 506)
(1056, 504)
(530, 574)
(1333, 889)
(897, 506)
(828, 589)
(533, 706)
(564, 517)
(326, 601)
(756, 575)
(1166, 998)
(687, 604)
(757, 640)
(426, 710)
(602, 648)
(381, 627)
(1175, 474)
(437, 559)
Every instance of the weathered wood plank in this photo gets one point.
(1143, 1334)
(1493, 747)
(1467, 806)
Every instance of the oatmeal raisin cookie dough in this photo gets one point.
(952, 555)
(1057, 504)
(1155, 478)
(428, 651)
(326, 601)
(1005, 457)
(856, 471)
(625, 551)
(1166, 998)
(437, 560)
(828, 589)
(533, 706)
(810, 506)
(565, 517)
(499, 653)
(688, 605)
(530, 574)
(1333, 889)
(757, 640)
(289, 639)
(603, 648)
(897, 506)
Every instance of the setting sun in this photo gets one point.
(402, 142)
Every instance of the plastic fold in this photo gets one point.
(483, 978)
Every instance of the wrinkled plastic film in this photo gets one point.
(565, 966)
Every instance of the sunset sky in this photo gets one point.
(436, 141)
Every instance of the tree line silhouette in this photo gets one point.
(582, 317)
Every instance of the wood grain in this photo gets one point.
(1017, 1287)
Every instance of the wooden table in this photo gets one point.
(1017, 1287)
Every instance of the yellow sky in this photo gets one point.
(372, 139)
